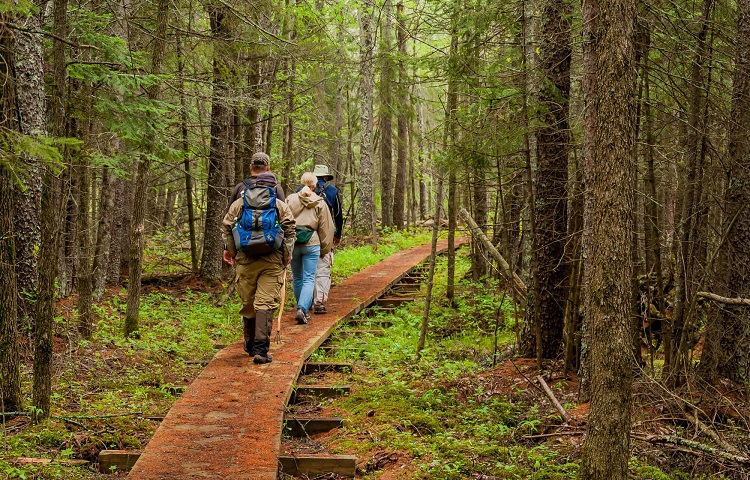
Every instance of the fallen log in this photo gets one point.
(695, 447)
(553, 399)
(510, 276)
(726, 300)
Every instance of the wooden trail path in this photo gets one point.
(228, 423)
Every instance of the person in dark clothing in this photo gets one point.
(260, 163)
(323, 273)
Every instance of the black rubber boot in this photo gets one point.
(262, 341)
(248, 330)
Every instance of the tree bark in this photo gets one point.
(366, 212)
(550, 202)
(104, 232)
(726, 351)
(691, 217)
(400, 187)
(141, 181)
(10, 360)
(85, 321)
(28, 65)
(609, 219)
(386, 118)
(216, 195)
(189, 201)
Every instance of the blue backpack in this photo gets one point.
(257, 231)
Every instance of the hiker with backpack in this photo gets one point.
(259, 163)
(330, 194)
(259, 236)
(314, 241)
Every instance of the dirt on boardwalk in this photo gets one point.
(227, 424)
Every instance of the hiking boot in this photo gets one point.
(302, 317)
(319, 307)
(262, 359)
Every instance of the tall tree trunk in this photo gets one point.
(216, 200)
(450, 287)
(189, 201)
(386, 115)
(431, 274)
(550, 203)
(104, 232)
(31, 110)
(609, 219)
(726, 351)
(366, 212)
(531, 337)
(85, 321)
(400, 187)
(10, 360)
(452, 163)
(652, 236)
(141, 181)
(690, 218)
(421, 161)
(338, 125)
(481, 215)
(121, 214)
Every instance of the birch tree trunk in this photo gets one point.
(28, 64)
(104, 232)
(366, 212)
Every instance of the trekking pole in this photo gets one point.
(277, 337)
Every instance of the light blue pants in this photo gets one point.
(304, 264)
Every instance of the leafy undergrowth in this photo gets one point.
(468, 409)
(465, 409)
(110, 392)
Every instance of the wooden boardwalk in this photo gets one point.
(227, 425)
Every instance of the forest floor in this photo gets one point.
(467, 408)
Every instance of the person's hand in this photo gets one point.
(336, 241)
(287, 262)
(228, 257)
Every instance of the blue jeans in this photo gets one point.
(304, 264)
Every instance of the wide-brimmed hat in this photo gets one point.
(322, 171)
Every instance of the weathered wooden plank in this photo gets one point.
(306, 426)
(319, 392)
(46, 461)
(358, 323)
(312, 367)
(393, 301)
(357, 333)
(328, 349)
(111, 461)
(315, 465)
(407, 287)
(376, 310)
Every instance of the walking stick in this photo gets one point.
(277, 337)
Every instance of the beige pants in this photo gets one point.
(323, 278)
(259, 284)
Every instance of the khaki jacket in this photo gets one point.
(286, 219)
(312, 211)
